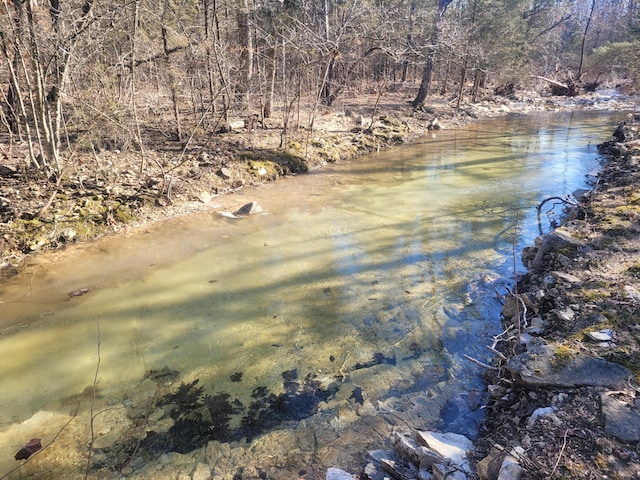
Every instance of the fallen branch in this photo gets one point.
(479, 363)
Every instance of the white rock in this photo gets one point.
(450, 445)
(539, 412)
(511, 469)
(601, 335)
(337, 474)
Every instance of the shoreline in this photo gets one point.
(89, 205)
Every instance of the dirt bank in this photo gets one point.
(105, 192)
(571, 327)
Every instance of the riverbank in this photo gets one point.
(106, 192)
(563, 399)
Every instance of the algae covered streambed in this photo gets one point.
(351, 301)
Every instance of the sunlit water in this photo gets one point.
(374, 277)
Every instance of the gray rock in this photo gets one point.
(489, 467)
(540, 367)
(566, 277)
(511, 469)
(337, 474)
(451, 446)
(248, 209)
(620, 421)
(560, 239)
(605, 335)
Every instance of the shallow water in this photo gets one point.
(360, 276)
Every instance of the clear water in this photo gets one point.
(394, 258)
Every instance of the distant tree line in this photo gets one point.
(98, 74)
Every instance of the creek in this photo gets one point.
(350, 302)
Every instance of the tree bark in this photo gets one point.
(425, 83)
(584, 37)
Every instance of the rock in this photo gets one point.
(225, 173)
(248, 209)
(565, 277)
(539, 367)
(511, 469)
(540, 412)
(337, 474)
(560, 239)
(620, 421)
(451, 446)
(605, 335)
(67, 235)
(201, 472)
(489, 467)
(448, 472)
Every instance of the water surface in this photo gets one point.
(371, 278)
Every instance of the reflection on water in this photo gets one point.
(366, 281)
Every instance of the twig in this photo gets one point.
(93, 403)
(564, 444)
(497, 353)
(478, 362)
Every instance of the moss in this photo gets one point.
(561, 356)
(265, 169)
(123, 214)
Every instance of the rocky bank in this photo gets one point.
(563, 396)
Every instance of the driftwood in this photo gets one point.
(570, 89)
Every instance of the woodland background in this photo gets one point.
(93, 75)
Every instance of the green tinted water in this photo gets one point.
(378, 274)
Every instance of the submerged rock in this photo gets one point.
(248, 209)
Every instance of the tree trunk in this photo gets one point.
(584, 37)
(425, 83)
(245, 40)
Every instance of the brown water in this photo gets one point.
(365, 275)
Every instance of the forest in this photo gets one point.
(89, 75)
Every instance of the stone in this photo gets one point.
(67, 235)
(558, 240)
(539, 367)
(511, 469)
(337, 474)
(201, 472)
(620, 421)
(451, 446)
(489, 467)
(250, 208)
(225, 173)
(605, 335)
(565, 277)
